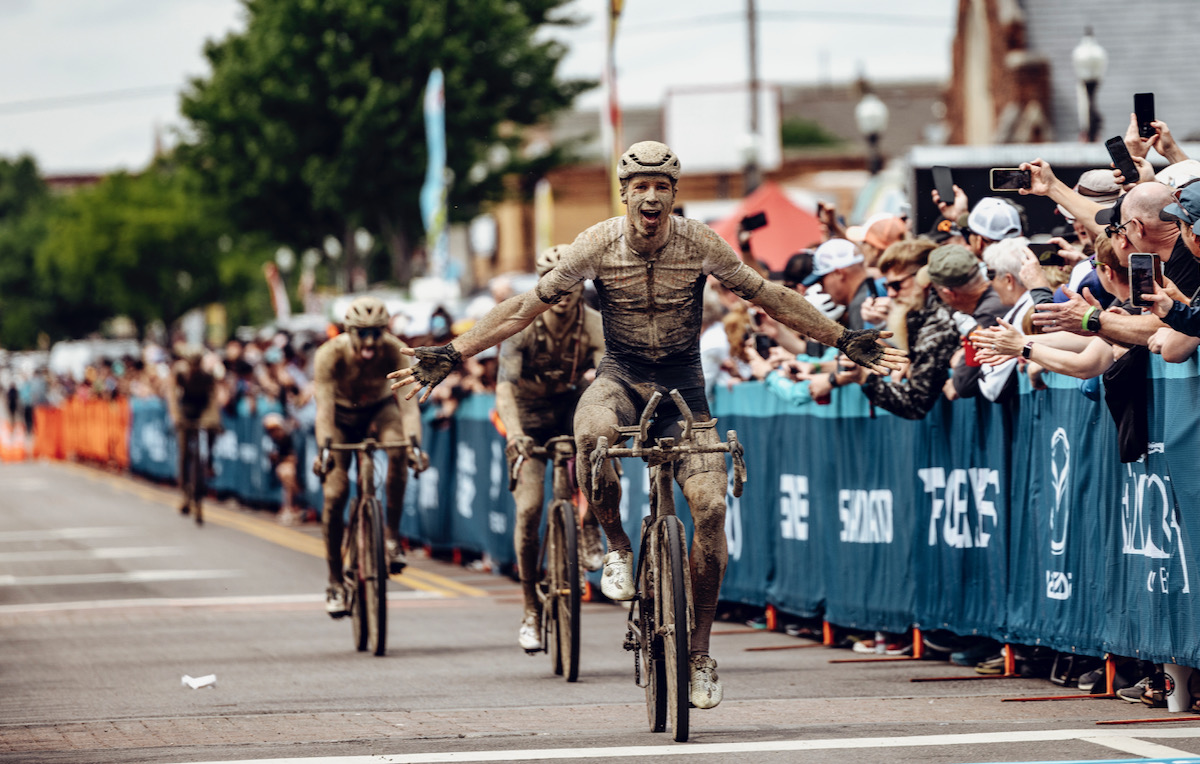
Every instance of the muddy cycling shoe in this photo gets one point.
(335, 601)
(591, 547)
(395, 554)
(529, 636)
(706, 689)
(185, 508)
(617, 581)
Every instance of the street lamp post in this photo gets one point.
(871, 114)
(1090, 62)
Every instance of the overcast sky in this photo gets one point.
(86, 82)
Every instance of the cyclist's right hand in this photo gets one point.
(518, 445)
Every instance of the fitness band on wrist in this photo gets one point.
(833, 382)
(1087, 318)
(1027, 351)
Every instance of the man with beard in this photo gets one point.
(649, 269)
(922, 324)
(543, 371)
(354, 402)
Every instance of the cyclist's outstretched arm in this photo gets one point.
(324, 391)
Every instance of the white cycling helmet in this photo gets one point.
(648, 158)
(367, 312)
(549, 258)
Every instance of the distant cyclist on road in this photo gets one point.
(649, 268)
(354, 402)
(543, 371)
(192, 403)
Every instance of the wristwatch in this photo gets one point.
(1093, 322)
(833, 380)
(1027, 350)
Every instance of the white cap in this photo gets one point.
(831, 256)
(994, 219)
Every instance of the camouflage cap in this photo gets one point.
(952, 265)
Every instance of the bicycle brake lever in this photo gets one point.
(688, 419)
(514, 472)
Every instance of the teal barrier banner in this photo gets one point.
(1017, 522)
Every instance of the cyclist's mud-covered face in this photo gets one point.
(365, 341)
(649, 200)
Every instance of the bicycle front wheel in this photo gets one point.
(374, 567)
(675, 627)
(355, 597)
(563, 572)
(650, 647)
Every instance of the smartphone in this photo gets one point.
(1009, 179)
(763, 344)
(1047, 254)
(754, 222)
(1121, 159)
(873, 288)
(1143, 108)
(1145, 270)
(943, 181)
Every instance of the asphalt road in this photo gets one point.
(108, 598)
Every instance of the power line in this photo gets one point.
(816, 17)
(83, 99)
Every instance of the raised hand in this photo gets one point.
(433, 365)
(867, 348)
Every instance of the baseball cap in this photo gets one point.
(943, 229)
(798, 268)
(1180, 173)
(831, 256)
(1186, 209)
(1096, 185)
(952, 265)
(1112, 215)
(880, 231)
(994, 219)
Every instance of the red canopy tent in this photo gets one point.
(789, 229)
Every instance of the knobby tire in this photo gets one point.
(565, 582)
(672, 564)
(374, 567)
(654, 669)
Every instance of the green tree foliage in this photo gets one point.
(804, 133)
(26, 307)
(312, 124)
(148, 247)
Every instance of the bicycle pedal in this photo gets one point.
(396, 568)
(535, 651)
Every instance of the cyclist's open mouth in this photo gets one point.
(367, 353)
(652, 216)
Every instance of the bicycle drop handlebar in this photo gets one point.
(669, 449)
(546, 450)
(324, 462)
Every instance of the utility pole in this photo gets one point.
(752, 179)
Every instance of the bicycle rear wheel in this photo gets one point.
(675, 627)
(650, 649)
(374, 566)
(563, 572)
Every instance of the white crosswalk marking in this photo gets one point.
(120, 577)
(54, 534)
(197, 602)
(104, 553)
(1114, 739)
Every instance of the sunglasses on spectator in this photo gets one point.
(894, 286)
(368, 332)
(1112, 229)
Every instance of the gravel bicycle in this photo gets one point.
(560, 588)
(364, 551)
(660, 623)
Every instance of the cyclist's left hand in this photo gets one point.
(868, 348)
(518, 445)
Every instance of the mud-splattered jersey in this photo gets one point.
(651, 304)
(541, 363)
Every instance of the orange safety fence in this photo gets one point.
(95, 430)
(14, 446)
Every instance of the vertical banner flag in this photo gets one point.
(433, 193)
(610, 122)
(543, 216)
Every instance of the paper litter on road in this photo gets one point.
(200, 681)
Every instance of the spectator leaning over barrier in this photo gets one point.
(1004, 261)
(283, 463)
(1130, 229)
(1183, 319)
(921, 324)
(960, 282)
(993, 219)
